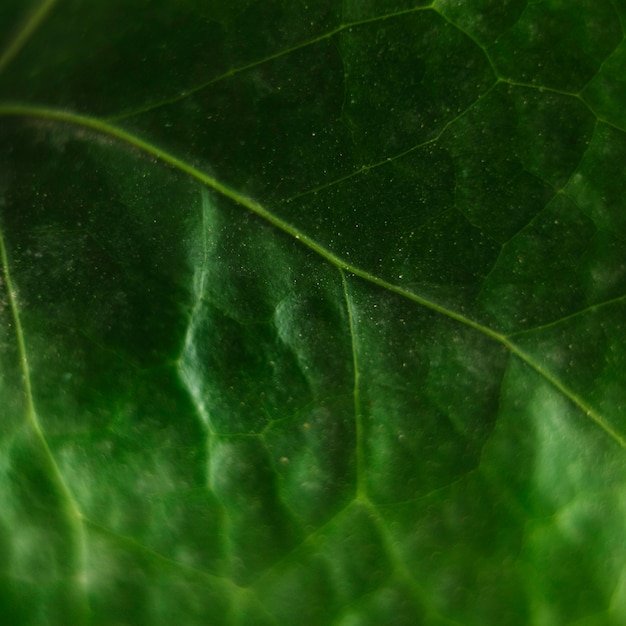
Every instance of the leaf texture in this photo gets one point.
(312, 313)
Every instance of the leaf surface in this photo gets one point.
(312, 313)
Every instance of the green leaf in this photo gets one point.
(312, 313)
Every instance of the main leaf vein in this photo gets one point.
(124, 136)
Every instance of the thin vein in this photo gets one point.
(26, 32)
(314, 537)
(469, 35)
(590, 309)
(361, 492)
(272, 57)
(74, 515)
(402, 570)
(31, 415)
(386, 161)
(256, 208)
(132, 544)
(579, 96)
(541, 88)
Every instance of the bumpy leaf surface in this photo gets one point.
(312, 312)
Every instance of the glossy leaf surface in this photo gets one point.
(312, 313)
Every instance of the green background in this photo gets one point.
(312, 313)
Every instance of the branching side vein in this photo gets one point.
(256, 208)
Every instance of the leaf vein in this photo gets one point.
(272, 57)
(259, 210)
(30, 26)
